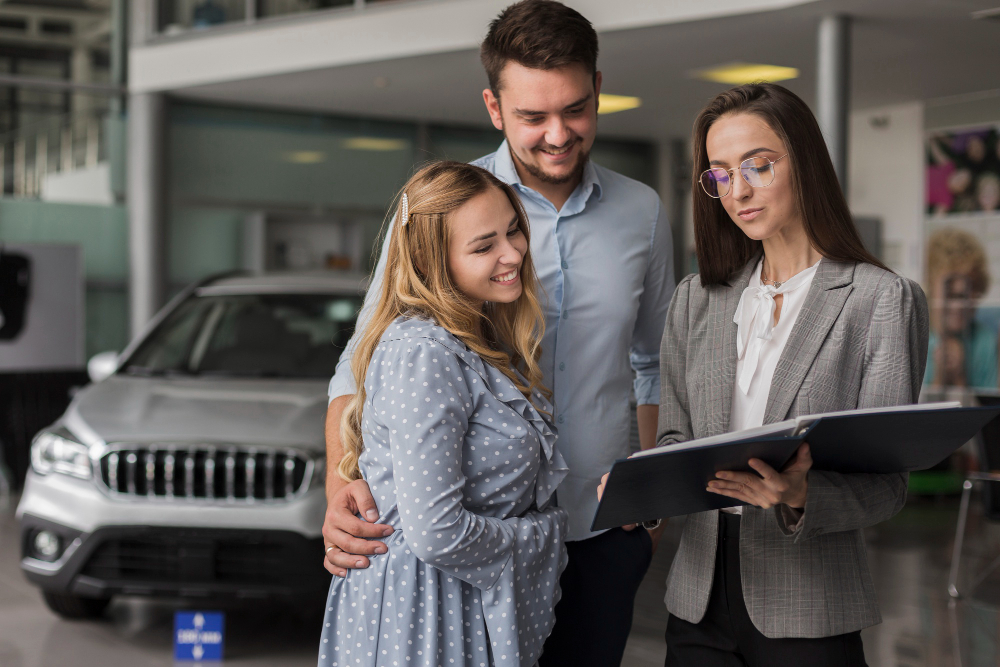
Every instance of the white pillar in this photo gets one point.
(81, 71)
(146, 187)
(833, 88)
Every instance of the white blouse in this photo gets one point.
(759, 343)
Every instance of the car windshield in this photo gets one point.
(259, 335)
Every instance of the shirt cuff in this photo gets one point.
(790, 519)
(341, 384)
(647, 389)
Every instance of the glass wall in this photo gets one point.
(179, 16)
(252, 189)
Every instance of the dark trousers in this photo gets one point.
(726, 637)
(599, 584)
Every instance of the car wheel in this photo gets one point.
(75, 607)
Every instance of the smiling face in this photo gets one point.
(549, 118)
(762, 212)
(486, 248)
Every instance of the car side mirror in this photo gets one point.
(102, 365)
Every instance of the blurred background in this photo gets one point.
(150, 145)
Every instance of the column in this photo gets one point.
(146, 187)
(833, 88)
(82, 71)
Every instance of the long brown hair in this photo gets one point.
(721, 246)
(417, 281)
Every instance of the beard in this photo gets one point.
(575, 174)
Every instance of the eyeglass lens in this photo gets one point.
(758, 172)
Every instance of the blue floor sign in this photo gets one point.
(198, 635)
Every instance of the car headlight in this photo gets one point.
(54, 453)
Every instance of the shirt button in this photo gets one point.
(562, 366)
(565, 264)
(565, 314)
(561, 419)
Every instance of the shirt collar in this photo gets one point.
(503, 168)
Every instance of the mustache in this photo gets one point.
(551, 148)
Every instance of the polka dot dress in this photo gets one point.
(459, 463)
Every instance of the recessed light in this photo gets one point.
(615, 103)
(737, 73)
(304, 157)
(375, 144)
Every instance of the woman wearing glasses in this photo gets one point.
(789, 315)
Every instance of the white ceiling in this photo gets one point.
(902, 50)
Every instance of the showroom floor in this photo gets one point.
(909, 556)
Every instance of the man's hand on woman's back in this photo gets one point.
(346, 533)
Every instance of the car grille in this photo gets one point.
(192, 556)
(206, 473)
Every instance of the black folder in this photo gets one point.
(670, 481)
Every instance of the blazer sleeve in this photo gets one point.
(895, 358)
(675, 416)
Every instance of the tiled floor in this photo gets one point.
(909, 556)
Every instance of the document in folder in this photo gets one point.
(670, 480)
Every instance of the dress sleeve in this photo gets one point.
(894, 369)
(425, 401)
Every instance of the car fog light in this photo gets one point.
(47, 544)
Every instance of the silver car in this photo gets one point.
(193, 465)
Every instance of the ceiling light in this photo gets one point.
(615, 103)
(737, 73)
(375, 144)
(304, 157)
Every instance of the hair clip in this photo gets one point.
(404, 210)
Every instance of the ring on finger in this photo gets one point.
(329, 549)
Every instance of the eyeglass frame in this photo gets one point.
(732, 176)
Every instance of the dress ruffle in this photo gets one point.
(553, 467)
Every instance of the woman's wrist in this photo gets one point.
(797, 500)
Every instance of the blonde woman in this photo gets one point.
(962, 351)
(449, 428)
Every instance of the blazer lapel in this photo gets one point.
(723, 329)
(829, 291)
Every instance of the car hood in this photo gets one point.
(201, 410)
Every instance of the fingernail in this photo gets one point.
(380, 550)
(359, 563)
(372, 515)
(387, 531)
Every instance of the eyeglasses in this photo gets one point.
(758, 172)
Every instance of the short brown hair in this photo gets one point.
(540, 34)
(721, 246)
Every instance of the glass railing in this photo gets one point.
(59, 144)
(176, 17)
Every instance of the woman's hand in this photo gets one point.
(771, 487)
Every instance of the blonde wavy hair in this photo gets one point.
(418, 281)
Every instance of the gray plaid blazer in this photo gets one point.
(860, 341)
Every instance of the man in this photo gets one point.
(602, 249)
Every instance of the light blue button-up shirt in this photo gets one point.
(605, 263)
